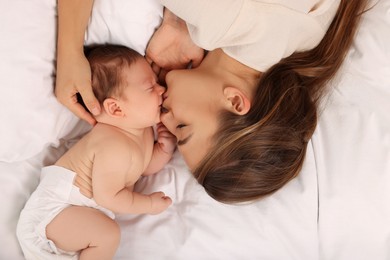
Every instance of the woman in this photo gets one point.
(244, 116)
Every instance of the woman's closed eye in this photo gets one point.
(164, 110)
(185, 140)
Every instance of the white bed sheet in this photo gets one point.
(337, 208)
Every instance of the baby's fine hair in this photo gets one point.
(107, 64)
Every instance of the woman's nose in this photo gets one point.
(169, 77)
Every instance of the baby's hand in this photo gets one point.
(165, 139)
(160, 202)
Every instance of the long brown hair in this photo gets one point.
(256, 154)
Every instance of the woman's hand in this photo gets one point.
(74, 76)
(171, 46)
(73, 70)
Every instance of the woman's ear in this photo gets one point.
(237, 101)
(112, 107)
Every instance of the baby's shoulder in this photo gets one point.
(109, 138)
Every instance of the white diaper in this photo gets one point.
(54, 193)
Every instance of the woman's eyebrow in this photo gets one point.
(184, 141)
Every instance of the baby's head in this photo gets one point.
(107, 64)
(125, 85)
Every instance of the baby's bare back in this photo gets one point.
(81, 157)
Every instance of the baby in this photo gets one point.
(71, 213)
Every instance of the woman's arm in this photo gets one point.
(73, 70)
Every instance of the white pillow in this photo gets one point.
(31, 116)
(126, 22)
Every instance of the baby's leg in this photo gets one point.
(87, 229)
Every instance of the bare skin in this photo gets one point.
(99, 162)
(74, 73)
(171, 47)
(103, 233)
(109, 160)
(94, 233)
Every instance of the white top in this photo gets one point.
(258, 33)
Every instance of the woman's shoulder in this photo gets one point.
(207, 21)
(304, 6)
(268, 30)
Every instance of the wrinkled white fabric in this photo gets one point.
(54, 193)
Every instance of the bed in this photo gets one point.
(338, 208)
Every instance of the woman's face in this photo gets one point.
(190, 111)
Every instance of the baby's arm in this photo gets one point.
(163, 150)
(113, 171)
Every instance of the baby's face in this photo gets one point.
(142, 95)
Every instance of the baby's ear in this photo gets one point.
(237, 101)
(112, 108)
